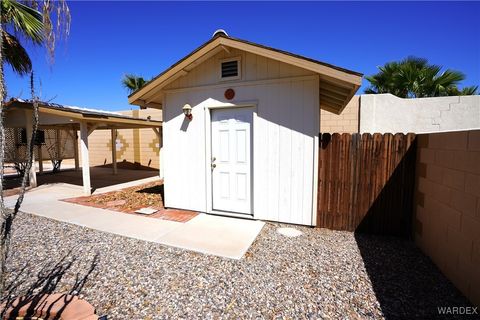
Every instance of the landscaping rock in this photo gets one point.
(320, 274)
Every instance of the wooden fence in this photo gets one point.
(366, 183)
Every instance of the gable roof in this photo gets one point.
(337, 85)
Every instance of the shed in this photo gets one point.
(249, 148)
(70, 119)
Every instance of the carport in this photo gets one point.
(69, 119)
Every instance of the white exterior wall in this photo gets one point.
(285, 137)
(387, 113)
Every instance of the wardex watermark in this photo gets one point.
(458, 310)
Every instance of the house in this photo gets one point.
(241, 126)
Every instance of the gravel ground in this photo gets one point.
(321, 274)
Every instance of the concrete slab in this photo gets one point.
(101, 178)
(147, 229)
(221, 236)
(58, 212)
(46, 193)
(142, 228)
(94, 219)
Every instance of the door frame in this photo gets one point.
(208, 155)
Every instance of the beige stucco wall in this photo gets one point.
(387, 113)
(137, 146)
(447, 224)
(346, 122)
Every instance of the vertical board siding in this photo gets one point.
(254, 67)
(284, 131)
(284, 146)
(366, 182)
(285, 128)
(184, 155)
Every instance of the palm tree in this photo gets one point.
(415, 78)
(132, 82)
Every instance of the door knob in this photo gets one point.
(214, 165)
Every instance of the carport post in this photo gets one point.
(87, 190)
(75, 150)
(32, 175)
(114, 150)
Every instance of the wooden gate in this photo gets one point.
(366, 182)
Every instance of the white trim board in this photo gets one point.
(208, 152)
(242, 83)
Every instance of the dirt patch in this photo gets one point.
(131, 199)
(126, 200)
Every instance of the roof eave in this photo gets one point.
(135, 97)
(349, 78)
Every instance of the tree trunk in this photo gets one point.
(2, 163)
(7, 215)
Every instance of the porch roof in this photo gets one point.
(58, 116)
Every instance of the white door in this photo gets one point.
(231, 157)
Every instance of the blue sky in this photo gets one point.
(109, 39)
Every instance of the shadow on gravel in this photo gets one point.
(46, 283)
(406, 282)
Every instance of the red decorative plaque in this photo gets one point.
(229, 94)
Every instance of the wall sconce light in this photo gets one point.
(187, 111)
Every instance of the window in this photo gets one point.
(230, 69)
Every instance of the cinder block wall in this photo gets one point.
(138, 146)
(347, 122)
(149, 142)
(387, 113)
(447, 223)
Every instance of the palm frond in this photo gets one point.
(469, 91)
(450, 77)
(15, 55)
(370, 90)
(24, 19)
(132, 82)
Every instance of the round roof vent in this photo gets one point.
(219, 32)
